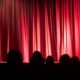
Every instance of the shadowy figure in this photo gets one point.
(74, 60)
(75, 64)
(65, 59)
(14, 64)
(49, 65)
(49, 60)
(37, 58)
(65, 65)
(14, 57)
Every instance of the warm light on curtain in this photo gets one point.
(49, 26)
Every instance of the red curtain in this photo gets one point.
(49, 26)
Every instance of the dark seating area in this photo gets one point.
(39, 67)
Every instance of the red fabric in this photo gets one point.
(49, 26)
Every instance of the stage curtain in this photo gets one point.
(49, 26)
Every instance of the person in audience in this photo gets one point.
(65, 59)
(14, 57)
(14, 63)
(37, 58)
(49, 60)
(75, 60)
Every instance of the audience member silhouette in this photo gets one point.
(37, 58)
(14, 57)
(65, 59)
(74, 60)
(49, 60)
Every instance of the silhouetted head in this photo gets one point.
(49, 60)
(74, 60)
(65, 59)
(37, 58)
(14, 57)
